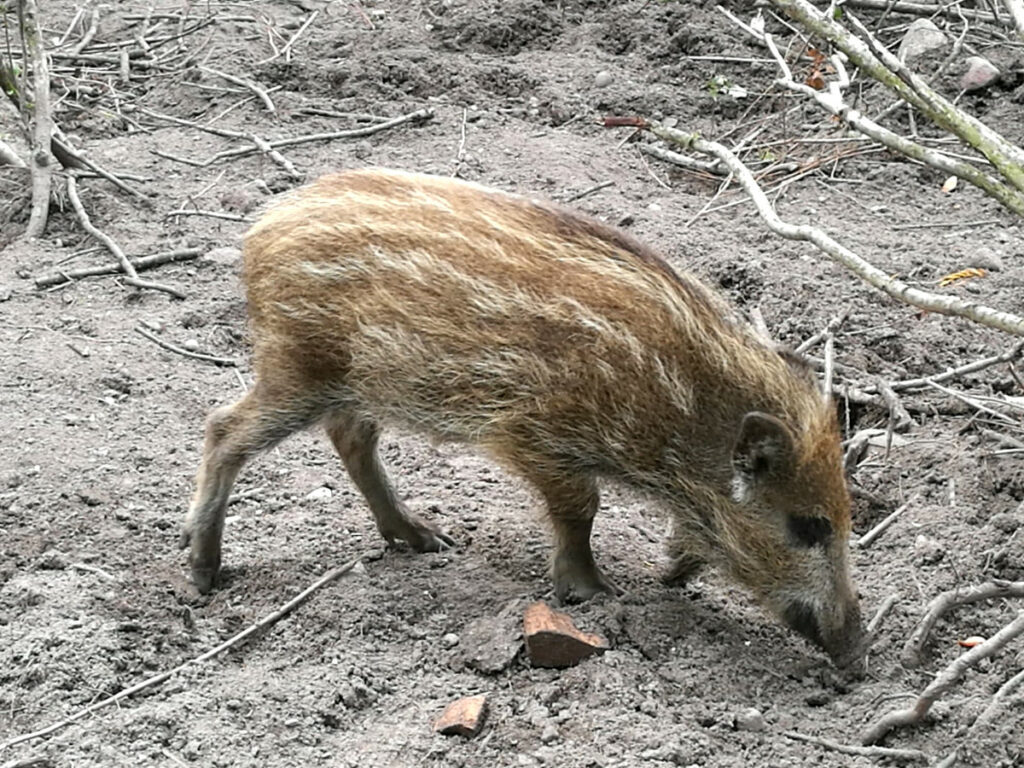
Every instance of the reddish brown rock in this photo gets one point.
(463, 717)
(552, 640)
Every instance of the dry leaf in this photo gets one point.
(963, 274)
(816, 81)
(949, 185)
(972, 641)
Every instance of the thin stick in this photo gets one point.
(460, 153)
(913, 650)
(131, 276)
(689, 163)
(941, 684)
(184, 352)
(209, 214)
(865, 541)
(881, 613)
(589, 191)
(90, 33)
(287, 47)
(262, 94)
(140, 264)
(1004, 357)
(262, 624)
(899, 755)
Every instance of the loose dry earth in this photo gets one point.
(100, 430)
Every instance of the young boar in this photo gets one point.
(563, 348)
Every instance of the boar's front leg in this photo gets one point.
(355, 440)
(572, 502)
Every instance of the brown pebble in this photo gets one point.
(552, 640)
(463, 717)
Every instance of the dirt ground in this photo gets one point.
(100, 430)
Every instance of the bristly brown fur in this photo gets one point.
(563, 346)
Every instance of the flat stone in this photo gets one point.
(552, 640)
(751, 720)
(921, 37)
(463, 717)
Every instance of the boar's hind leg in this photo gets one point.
(355, 439)
(233, 434)
(572, 502)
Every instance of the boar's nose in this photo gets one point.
(845, 644)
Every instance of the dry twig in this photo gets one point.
(940, 685)
(131, 276)
(865, 541)
(898, 289)
(913, 650)
(233, 642)
(897, 755)
(140, 264)
(226, 361)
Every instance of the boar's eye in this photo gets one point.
(808, 531)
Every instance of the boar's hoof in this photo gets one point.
(576, 582)
(419, 535)
(205, 579)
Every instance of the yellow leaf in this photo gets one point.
(963, 274)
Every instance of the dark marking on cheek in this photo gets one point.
(800, 617)
(808, 531)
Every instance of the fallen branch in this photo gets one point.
(922, 9)
(260, 93)
(898, 755)
(879, 63)
(237, 640)
(832, 101)
(140, 264)
(131, 276)
(42, 159)
(946, 305)
(972, 367)
(941, 684)
(226, 361)
(913, 649)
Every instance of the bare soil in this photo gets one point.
(101, 429)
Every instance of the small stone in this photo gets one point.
(552, 640)
(5, 293)
(226, 256)
(986, 258)
(550, 734)
(450, 640)
(323, 493)
(1006, 522)
(603, 79)
(362, 149)
(922, 36)
(190, 344)
(928, 551)
(490, 644)
(463, 717)
(981, 73)
(359, 569)
(750, 720)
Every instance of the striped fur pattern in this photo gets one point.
(562, 347)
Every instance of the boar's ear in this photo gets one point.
(764, 447)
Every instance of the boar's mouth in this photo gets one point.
(844, 647)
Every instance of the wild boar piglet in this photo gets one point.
(560, 346)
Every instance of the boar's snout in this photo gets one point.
(837, 630)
